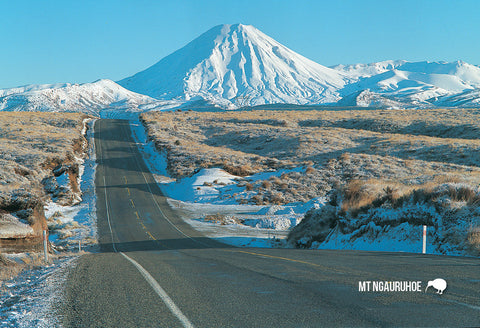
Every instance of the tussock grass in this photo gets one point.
(362, 208)
(222, 219)
(409, 147)
(473, 239)
(365, 161)
(32, 147)
(8, 268)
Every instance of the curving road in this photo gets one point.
(154, 270)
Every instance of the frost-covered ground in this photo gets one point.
(30, 299)
(394, 220)
(402, 238)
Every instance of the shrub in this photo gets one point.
(266, 184)
(316, 226)
(473, 238)
(241, 171)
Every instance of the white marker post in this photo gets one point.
(424, 250)
(45, 245)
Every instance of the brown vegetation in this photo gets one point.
(363, 159)
(35, 147)
(404, 147)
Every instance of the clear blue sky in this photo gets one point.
(82, 41)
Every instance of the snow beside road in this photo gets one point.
(402, 238)
(70, 224)
(213, 201)
(31, 299)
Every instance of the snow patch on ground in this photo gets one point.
(12, 227)
(214, 192)
(402, 238)
(70, 224)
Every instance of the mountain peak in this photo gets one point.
(232, 62)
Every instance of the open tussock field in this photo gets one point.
(355, 157)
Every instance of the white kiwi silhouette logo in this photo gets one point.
(439, 284)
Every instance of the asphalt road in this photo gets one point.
(154, 270)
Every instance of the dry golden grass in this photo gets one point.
(9, 268)
(418, 165)
(31, 146)
(473, 238)
(401, 147)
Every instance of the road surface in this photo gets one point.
(154, 270)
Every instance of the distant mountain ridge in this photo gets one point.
(411, 83)
(231, 66)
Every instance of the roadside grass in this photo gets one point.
(10, 268)
(473, 238)
(409, 147)
(33, 146)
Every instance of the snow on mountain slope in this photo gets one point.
(232, 66)
(467, 99)
(470, 74)
(357, 71)
(31, 87)
(238, 65)
(88, 97)
(410, 83)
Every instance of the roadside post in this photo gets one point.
(424, 249)
(45, 245)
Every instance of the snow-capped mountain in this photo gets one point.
(409, 83)
(238, 65)
(232, 66)
(470, 98)
(88, 97)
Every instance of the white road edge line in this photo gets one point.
(148, 277)
(163, 295)
(105, 191)
(108, 213)
(151, 194)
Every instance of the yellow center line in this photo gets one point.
(291, 260)
(144, 227)
(126, 181)
(148, 232)
(128, 191)
(133, 204)
(279, 257)
(323, 267)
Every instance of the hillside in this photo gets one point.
(383, 172)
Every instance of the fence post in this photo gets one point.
(424, 249)
(45, 245)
